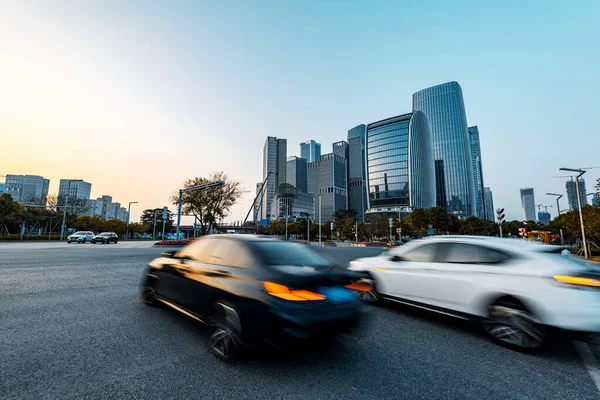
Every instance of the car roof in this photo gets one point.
(247, 238)
(496, 242)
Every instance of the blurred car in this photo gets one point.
(81, 237)
(516, 288)
(253, 290)
(106, 237)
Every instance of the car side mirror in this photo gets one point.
(169, 254)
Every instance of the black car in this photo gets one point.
(106, 238)
(252, 290)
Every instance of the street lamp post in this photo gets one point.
(192, 189)
(581, 172)
(128, 213)
(558, 196)
(62, 229)
(319, 219)
(154, 226)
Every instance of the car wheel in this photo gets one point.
(148, 296)
(226, 332)
(510, 323)
(68, 242)
(93, 242)
(371, 296)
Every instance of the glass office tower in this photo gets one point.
(310, 151)
(478, 184)
(445, 109)
(400, 165)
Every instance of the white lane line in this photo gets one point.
(590, 362)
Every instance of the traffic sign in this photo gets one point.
(391, 221)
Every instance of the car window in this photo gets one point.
(275, 252)
(424, 253)
(79, 233)
(470, 254)
(231, 253)
(198, 250)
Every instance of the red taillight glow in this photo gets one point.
(361, 287)
(284, 292)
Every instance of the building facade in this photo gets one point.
(327, 179)
(258, 203)
(572, 194)
(477, 171)
(544, 217)
(444, 108)
(310, 151)
(2, 188)
(400, 165)
(528, 204)
(28, 189)
(74, 189)
(293, 204)
(488, 200)
(274, 161)
(357, 171)
(297, 173)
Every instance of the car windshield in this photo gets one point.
(104, 234)
(289, 253)
(80, 233)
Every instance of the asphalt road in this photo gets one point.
(71, 326)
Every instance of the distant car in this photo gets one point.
(81, 237)
(252, 290)
(106, 238)
(517, 289)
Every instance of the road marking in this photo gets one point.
(590, 362)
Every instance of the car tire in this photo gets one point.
(371, 296)
(511, 324)
(226, 332)
(148, 296)
(93, 242)
(68, 242)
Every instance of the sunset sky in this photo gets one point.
(137, 96)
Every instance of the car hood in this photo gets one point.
(76, 236)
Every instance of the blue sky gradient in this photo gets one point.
(205, 83)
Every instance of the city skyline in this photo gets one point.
(80, 75)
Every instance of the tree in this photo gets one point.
(75, 205)
(348, 229)
(419, 219)
(342, 215)
(440, 219)
(10, 213)
(137, 228)
(87, 223)
(147, 218)
(114, 225)
(211, 204)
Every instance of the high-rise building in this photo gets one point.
(327, 179)
(488, 200)
(445, 109)
(544, 217)
(274, 161)
(297, 173)
(357, 172)
(477, 171)
(310, 151)
(400, 167)
(528, 203)
(28, 189)
(2, 188)
(572, 194)
(595, 201)
(103, 205)
(291, 203)
(74, 189)
(258, 203)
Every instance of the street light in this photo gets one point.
(558, 196)
(192, 189)
(581, 172)
(62, 229)
(128, 213)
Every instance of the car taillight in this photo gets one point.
(578, 280)
(284, 292)
(361, 287)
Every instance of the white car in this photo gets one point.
(516, 288)
(80, 237)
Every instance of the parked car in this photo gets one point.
(253, 290)
(517, 289)
(106, 238)
(80, 237)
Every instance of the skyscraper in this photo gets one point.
(477, 171)
(74, 189)
(572, 194)
(310, 151)
(400, 167)
(2, 187)
(357, 175)
(258, 203)
(544, 217)
(327, 179)
(445, 109)
(274, 160)
(28, 189)
(528, 203)
(488, 200)
(297, 170)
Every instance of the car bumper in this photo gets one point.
(575, 310)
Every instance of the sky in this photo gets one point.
(137, 96)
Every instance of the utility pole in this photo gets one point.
(581, 172)
(154, 226)
(319, 219)
(128, 212)
(62, 229)
(165, 215)
(308, 229)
